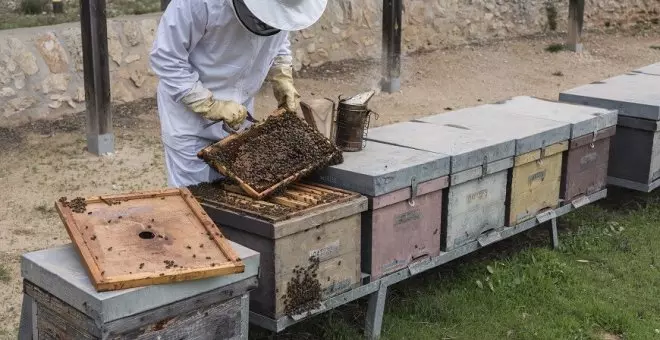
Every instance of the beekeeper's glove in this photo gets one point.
(281, 75)
(201, 101)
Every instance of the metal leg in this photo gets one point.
(27, 329)
(375, 312)
(555, 233)
(245, 316)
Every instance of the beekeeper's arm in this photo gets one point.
(181, 27)
(281, 76)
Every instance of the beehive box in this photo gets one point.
(635, 150)
(585, 163)
(653, 69)
(60, 302)
(539, 143)
(474, 203)
(290, 230)
(405, 188)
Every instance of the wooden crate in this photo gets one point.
(405, 191)
(634, 161)
(585, 162)
(586, 165)
(125, 239)
(535, 182)
(60, 303)
(329, 231)
(474, 201)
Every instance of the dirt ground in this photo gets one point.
(46, 160)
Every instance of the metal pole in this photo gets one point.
(100, 138)
(163, 4)
(575, 23)
(391, 81)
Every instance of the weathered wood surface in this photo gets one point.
(585, 165)
(535, 183)
(60, 269)
(474, 207)
(466, 148)
(333, 241)
(632, 94)
(125, 239)
(575, 24)
(381, 168)
(395, 235)
(213, 315)
(96, 72)
(635, 155)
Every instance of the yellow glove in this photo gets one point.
(232, 113)
(281, 75)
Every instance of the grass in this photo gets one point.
(655, 47)
(4, 274)
(555, 48)
(603, 283)
(115, 8)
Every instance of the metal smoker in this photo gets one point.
(352, 122)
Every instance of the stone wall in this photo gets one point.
(41, 68)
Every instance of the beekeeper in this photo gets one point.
(212, 57)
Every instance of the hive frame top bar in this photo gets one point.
(498, 120)
(632, 94)
(60, 269)
(584, 119)
(382, 168)
(466, 148)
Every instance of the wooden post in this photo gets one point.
(391, 56)
(58, 6)
(100, 139)
(575, 22)
(163, 4)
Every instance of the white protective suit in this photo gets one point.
(201, 44)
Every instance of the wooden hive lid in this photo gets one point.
(130, 240)
(632, 94)
(584, 119)
(380, 168)
(653, 69)
(498, 120)
(466, 148)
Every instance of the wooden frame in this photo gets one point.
(249, 190)
(312, 189)
(102, 283)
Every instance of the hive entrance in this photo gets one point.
(146, 235)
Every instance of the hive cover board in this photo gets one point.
(382, 168)
(466, 148)
(140, 239)
(530, 133)
(653, 69)
(632, 94)
(584, 119)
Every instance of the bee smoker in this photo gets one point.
(352, 122)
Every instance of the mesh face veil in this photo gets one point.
(251, 22)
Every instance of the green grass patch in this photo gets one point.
(603, 283)
(555, 48)
(4, 274)
(71, 13)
